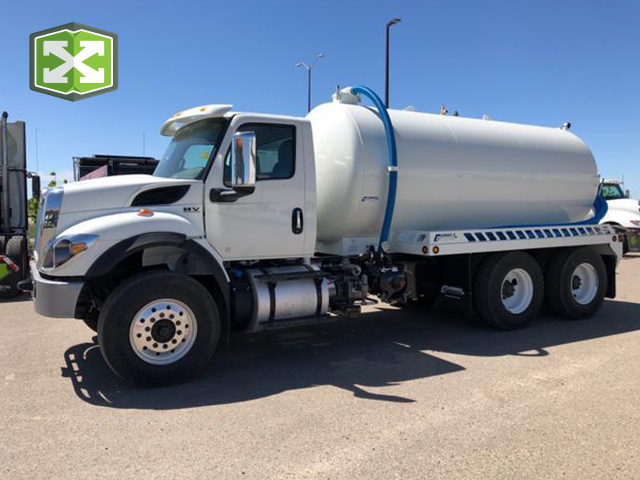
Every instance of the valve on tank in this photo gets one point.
(392, 283)
(386, 280)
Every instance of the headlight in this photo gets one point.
(635, 222)
(63, 249)
(47, 220)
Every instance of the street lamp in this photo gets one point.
(309, 69)
(390, 23)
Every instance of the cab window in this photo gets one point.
(276, 147)
(612, 192)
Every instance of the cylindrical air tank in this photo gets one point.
(453, 173)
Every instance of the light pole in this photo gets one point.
(309, 69)
(390, 23)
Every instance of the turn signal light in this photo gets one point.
(76, 248)
(145, 212)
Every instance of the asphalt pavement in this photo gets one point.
(395, 394)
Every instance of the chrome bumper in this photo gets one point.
(54, 298)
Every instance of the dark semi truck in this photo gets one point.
(14, 224)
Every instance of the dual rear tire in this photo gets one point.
(576, 283)
(511, 288)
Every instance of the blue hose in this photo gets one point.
(393, 159)
(600, 209)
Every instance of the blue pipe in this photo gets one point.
(600, 209)
(393, 159)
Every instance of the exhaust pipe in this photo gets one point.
(6, 210)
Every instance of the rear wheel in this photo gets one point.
(508, 290)
(158, 328)
(576, 283)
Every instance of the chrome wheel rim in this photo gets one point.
(517, 291)
(584, 283)
(163, 331)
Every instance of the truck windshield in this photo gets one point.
(612, 191)
(190, 150)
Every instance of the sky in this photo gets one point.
(537, 62)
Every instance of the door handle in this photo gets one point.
(297, 221)
(229, 194)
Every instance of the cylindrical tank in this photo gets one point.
(453, 173)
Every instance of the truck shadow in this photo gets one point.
(384, 347)
(23, 297)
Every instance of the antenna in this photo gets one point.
(37, 156)
(143, 144)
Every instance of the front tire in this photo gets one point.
(576, 283)
(509, 290)
(158, 328)
(91, 322)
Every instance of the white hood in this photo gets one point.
(107, 193)
(624, 204)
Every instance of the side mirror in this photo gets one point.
(243, 161)
(35, 186)
(627, 194)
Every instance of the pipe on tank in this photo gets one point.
(393, 159)
(600, 208)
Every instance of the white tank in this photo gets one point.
(453, 173)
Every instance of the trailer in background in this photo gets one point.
(85, 168)
(14, 224)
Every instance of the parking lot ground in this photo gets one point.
(395, 394)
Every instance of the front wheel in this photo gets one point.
(158, 328)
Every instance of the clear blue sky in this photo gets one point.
(538, 62)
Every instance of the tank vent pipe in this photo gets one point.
(393, 160)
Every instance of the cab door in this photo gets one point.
(269, 222)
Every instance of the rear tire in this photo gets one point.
(147, 348)
(576, 283)
(508, 290)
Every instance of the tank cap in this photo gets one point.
(345, 96)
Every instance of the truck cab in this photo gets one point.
(623, 212)
(231, 187)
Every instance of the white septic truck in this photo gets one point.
(256, 221)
